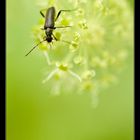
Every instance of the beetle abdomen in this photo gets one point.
(50, 17)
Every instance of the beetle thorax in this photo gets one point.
(49, 31)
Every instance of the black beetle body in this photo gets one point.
(49, 25)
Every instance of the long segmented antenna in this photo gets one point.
(65, 41)
(34, 47)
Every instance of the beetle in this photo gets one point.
(49, 25)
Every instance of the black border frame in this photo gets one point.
(136, 70)
(3, 69)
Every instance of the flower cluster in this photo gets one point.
(89, 55)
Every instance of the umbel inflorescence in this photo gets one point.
(99, 42)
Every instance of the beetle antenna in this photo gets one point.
(34, 47)
(65, 41)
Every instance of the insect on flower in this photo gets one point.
(49, 26)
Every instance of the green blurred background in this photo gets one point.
(33, 115)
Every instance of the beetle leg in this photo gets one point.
(42, 12)
(62, 26)
(55, 37)
(62, 11)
